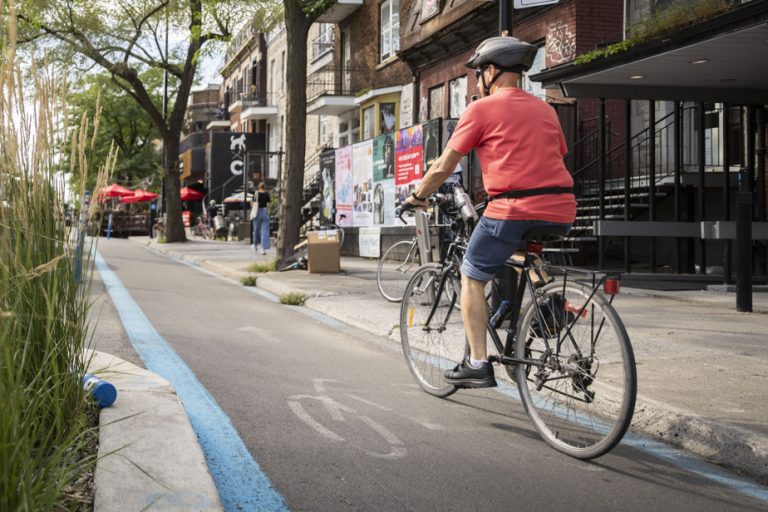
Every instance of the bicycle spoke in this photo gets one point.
(430, 346)
(580, 404)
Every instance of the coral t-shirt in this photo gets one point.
(520, 146)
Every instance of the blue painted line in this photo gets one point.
(675, 457)
(241, 483)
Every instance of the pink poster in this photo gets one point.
(408, 155)
(344, 195)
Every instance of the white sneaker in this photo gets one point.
(263, 251)
(253, 247)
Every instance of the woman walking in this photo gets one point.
(260, 222)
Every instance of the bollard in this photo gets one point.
(744, 251)
(102, 391)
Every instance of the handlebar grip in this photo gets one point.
(400, 210)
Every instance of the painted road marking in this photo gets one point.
(336, 412)
(224, 450)
(674, 456)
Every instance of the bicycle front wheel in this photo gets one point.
(431, 347)
(581, 396)
(396, 267)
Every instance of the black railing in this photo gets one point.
(332, 81)
(256, 99)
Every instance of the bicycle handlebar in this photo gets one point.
(436, 198)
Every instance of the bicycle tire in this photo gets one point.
(395, 270)
(587, 406)
(429, 353)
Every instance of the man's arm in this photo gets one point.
(440, 171)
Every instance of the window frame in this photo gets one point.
(392, 27)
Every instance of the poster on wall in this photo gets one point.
(327, 173)
(343, 186)
(462, 169)
(384, 180)
(408, 155)
(432, 144)
(362, 181)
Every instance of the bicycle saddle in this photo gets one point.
(545, 234)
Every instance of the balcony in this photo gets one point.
(256, 106)
(330, 91)
(339, 10)
(220, 119)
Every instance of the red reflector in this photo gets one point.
(611, 286)
(576, 310)
(535, 248)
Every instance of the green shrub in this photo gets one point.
(261, 267)
(293, 298)
(248, 280)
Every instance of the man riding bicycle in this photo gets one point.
(520, 146)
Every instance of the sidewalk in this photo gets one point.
(702, 366)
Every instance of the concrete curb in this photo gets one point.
(739, 450)
(148, 454)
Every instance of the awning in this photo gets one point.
(723, 59)
(138, 196)
(190, 194)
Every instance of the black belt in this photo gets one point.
(517, 194)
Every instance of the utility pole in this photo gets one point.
(505, 17)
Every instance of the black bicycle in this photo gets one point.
(565, 347)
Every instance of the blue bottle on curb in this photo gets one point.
(102, 391)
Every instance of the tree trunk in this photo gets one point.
(174, 226)
(292, 182)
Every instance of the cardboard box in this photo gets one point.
(323, 252)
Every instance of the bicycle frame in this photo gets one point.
(506, 349)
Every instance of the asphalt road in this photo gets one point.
(337, 422)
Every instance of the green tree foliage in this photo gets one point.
(124, 124)
(127, 37)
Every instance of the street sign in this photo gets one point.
(524, 4)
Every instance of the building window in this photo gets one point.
(369, 122)
(458, 96)
(535, 87)
(388, 118)
(390, 28)
(322, 130)
(282, 71)
(436, 102)
(324, 41)
(272, 76)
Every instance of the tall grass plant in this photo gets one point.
(43, 308)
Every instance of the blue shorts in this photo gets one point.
(493, 241)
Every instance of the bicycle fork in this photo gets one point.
(436, 301)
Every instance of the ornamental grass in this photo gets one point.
(44, 272)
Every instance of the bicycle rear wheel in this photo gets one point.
(581, 399)
(431, 349)
(396, 267)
